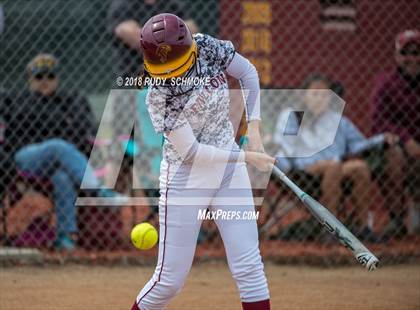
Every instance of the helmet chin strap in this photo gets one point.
(193, 71)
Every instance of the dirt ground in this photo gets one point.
(210, 286)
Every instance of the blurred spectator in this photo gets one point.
(328, 167)
(43, 129)
(396, 103)
(6, 162)
(42, 112)
(126, 17)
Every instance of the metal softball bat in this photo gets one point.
(332, 224)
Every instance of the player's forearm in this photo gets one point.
(254, 136)
(207, 154)
(192, 151)
(129, 32)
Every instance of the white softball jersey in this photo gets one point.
(199, 148)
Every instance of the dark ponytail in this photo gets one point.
(142, 77)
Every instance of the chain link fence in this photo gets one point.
(369, 178)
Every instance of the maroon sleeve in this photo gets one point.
(385, 113)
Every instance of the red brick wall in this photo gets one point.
(301, 46)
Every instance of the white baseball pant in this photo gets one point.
(214, 187)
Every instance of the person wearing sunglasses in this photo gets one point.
(49, 133)
(47, 110)
(42, 73)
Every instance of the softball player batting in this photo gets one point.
(201, 159)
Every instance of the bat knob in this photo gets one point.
(368, 260)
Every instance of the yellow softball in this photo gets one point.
(144, 236)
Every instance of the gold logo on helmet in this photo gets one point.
(162, 51)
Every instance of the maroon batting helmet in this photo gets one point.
(169, 49)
